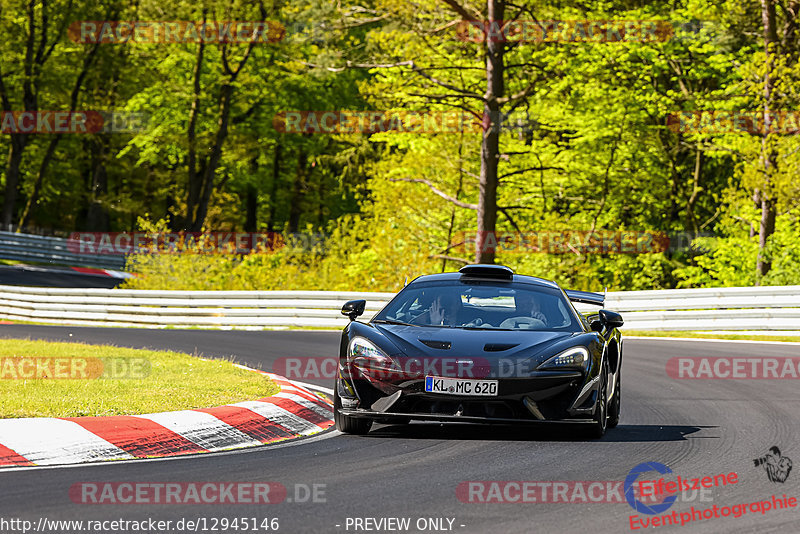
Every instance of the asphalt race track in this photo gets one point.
(696, 427)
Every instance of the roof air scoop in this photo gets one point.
(487, 271)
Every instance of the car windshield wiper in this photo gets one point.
(392, 321)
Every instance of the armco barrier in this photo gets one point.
(761, 308)
(732, 308)
(212, 309)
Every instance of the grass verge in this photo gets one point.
(105, 380)
(704, 335)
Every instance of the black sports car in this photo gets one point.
(483, 345)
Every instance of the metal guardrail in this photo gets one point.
(52, 251)
(210, 309)
(770, 308)
(761, 308)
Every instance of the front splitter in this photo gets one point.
(364, 414)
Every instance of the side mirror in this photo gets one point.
(611, 319)
(354, 308)
(595, 325)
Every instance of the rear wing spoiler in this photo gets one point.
(586, 297)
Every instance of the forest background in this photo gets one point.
(567, 139)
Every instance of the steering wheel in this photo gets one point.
(523, 323)
(478, 323)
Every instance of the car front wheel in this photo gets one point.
(600, 419)
(614, 407)
(345, 424)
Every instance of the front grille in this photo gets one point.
(488, 409)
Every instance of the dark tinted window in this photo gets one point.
(486, 305)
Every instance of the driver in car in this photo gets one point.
(528, 306)
(444, 311)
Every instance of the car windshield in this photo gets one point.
(482, 305)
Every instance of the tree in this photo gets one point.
(43, 32)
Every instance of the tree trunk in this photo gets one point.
(298, 191)
(37, 184)
(251, 209)
(203, 183)
(490, 144)
(766, 229)
(769, 158)
(251, 200)
(696, 190)
(97, 218)
(53, 144)
(194, 176)
(226, 94)
(37, 52)
(276, 172)
(452, 226)
(18, 143)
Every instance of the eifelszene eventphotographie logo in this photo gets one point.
(777, 467)
(630, 484)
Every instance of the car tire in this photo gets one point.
(615, 405)
(345, 424)
(600, 419)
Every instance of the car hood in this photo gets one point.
(421, 341)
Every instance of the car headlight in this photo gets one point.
(572, 357)
(369, 359)
(363, 348)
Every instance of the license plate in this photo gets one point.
(460, 386)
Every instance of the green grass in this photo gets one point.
(164, 381)
(704, 335)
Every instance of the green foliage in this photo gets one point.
(587, 148)
(359, 254)
(728, 261)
